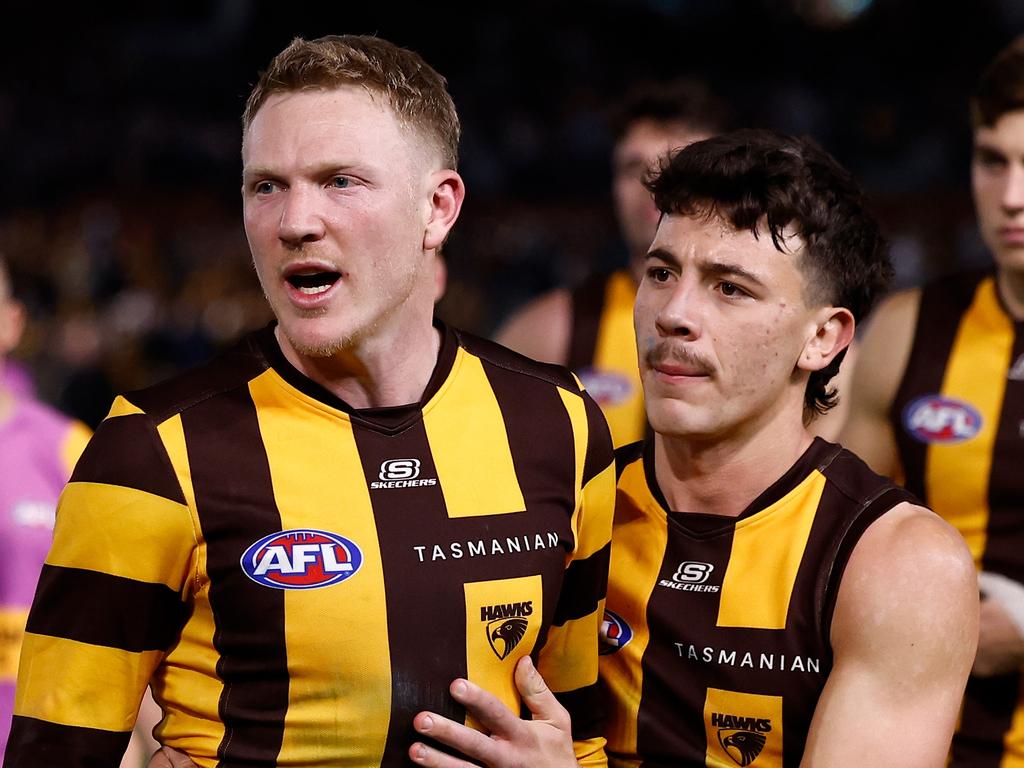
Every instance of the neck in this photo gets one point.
(6, 403)
(1011, 291)
(374, 373)
(722, 476)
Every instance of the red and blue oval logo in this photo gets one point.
(615, 633)
(605, 387)
(940, 419)
(301, 558)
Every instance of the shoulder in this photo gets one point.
(542, 328)
(910, 578)
(228, 371)
(515, 364)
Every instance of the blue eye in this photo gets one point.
(264, 188)
(339, 182)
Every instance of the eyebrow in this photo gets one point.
(713, 268)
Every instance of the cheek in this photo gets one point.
(758, 354)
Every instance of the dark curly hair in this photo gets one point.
(749, 176)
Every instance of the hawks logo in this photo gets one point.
(939, 419)
(301, 558)
(615, 633)
(506, 625)
(742, 738)
(605, 387)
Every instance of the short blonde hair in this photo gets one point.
(414, 90)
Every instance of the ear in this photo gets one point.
(833, 332)
(448, 192)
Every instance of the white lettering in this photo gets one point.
(812, 665)
(456, 550)
(798, 665)
(552, 539)
(274, 559)
(513, 545)
(748, 661)
(727, 657)
(419, 551)
(331, 564)
(767, 661)
(477, 548)
(438, 553)
(496, 548)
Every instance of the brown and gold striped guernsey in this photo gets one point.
(716, 632)
(602, 351)
(958, 418)
(300, 578)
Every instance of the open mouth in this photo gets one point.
(313, 283)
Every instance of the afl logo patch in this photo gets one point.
(938, 419)
(605, 387)
(615, 633)
(301, 558)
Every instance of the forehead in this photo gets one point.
(648, 138)
(347, 119)
(1006, 135)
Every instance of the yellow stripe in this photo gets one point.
(722, 709)
(121, 407)
(766, 552)
(123, 532)
(83, 683)
(470, 446)
(957, 474)
(485, 645)
(640, 537)
(616, 352)
(74, 443)
(572, 648)
(342, 621)
(186, 685)
(12, 630)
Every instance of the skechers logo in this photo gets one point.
(506, 625)
(690, 577)
(742, 738)
(400, 473)
(615, 633)
(301, 558)
(939, 419)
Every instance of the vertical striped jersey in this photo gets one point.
(602, 351)
(958, 419)
(298, 579)
(716, 633)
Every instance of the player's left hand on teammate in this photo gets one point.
(546, 740)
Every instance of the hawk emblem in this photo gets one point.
(505, 634)
(742, 746)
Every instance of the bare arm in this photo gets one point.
(903, 634)
(881, 359)
(541, 329)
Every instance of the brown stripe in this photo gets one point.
(425, 615)
(126, 451)
(599, 444)
(988, 706)
(36, 743)
(586, 581)
(236, 506)
(1005, 535)
(587, 307)
(91, 607)
(942, 306)
(586, 709)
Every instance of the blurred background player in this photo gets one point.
(938, 400)
(38, 450)
(590, 328)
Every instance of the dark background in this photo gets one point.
(120, 211)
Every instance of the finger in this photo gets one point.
(421, 754)
(538, 697)
(466, 740)
(488, 710)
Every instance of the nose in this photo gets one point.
(681, 316)
(1013, 192)
(301, 218)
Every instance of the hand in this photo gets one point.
(1000, 645)
(165, 757)
(543, 742)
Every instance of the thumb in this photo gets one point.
(538, 697)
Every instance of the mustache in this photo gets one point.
(673, 352)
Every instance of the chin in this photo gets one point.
(676, 419)
(311, 338)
